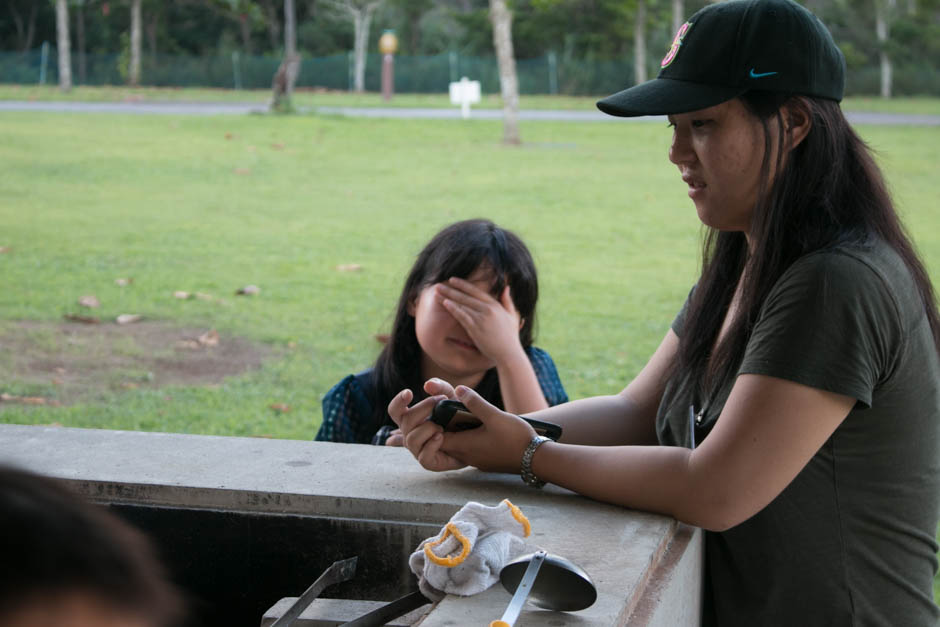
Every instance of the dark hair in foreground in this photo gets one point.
(828, 192)
(456, 251)
(54, 545)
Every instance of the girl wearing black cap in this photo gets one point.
(793, 409)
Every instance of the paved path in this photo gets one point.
(203, 108)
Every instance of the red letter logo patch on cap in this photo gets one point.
(676, 43)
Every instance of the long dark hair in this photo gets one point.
(457, 251)
(827, 192)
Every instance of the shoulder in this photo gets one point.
(547, 375)
(345, 406)
(342, 390)
(537, 355)
(872, 277)
(541, 360)
(338, 403)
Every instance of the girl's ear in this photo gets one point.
(796, 122)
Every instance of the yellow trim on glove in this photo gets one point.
(448, 562)
(520, 517)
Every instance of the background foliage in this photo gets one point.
(190, 42)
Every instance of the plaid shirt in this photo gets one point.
(348, 413)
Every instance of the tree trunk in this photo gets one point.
(678, 15)
(508, 82)
(639, 43)
(274, 26)
(133, 75)
(286, 76)
(882, 7)
(153, 23)
(80, 43)
(245, 29)
(63, 44)
(24, 32)
(290, 29)
(362, 21)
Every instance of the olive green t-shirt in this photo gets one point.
(851, 541)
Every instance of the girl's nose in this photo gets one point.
(680, 151)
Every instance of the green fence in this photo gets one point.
(413, 74)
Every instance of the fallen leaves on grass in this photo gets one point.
(229, 136)
(128, 318)
(28, 400)
(382, 338)
(122, 282)
(349, 267)
(72, 317)
(181, 295)
(242, 171)
(277, 146)
(209, 338)
(90, 301)
(248, 290)
(4, 249)
(280, 408)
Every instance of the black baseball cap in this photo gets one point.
(732, 47)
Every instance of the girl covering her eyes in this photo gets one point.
(465, 317)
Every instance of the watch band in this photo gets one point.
(527, 475)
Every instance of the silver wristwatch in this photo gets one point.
(527, 475)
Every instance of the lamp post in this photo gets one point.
(388, 45)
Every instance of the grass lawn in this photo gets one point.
(211, 204)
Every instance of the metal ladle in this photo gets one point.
(549, 581)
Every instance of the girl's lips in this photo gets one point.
(468, 346)
(696, 186)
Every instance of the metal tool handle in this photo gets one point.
(342, 570)
(522, 592)
(390, 611)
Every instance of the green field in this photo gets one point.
(212, 204)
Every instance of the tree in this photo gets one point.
(412, 11)
(286, 76)
(63, 45)
(883, 10)
(24, 32)
(133, 74)
(247, 14)
(508, 82)
(80, 40)
(361, 12)
(639, 42)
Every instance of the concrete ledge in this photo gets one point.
(643, 565)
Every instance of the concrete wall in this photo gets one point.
(647, 568)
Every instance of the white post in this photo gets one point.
(465, 101)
